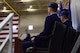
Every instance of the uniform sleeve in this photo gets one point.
(47, 27)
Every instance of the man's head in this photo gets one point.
(64, 15)
(26, 31)
(52, 7)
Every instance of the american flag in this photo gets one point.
(5, 30)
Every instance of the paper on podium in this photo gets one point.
(22, 36)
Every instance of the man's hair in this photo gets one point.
(64, 13)
(54, 9)
(65, 16)
(53, 6)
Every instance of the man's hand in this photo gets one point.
(32, 39)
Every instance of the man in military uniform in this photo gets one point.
(65, 19)
(49, 22)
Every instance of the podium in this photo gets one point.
(18, 46)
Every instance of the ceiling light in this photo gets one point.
(5, 11)
(26, 0)
(31, 10)
(30, 6)
(30, 27)
(4, 8)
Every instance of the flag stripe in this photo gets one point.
(4, 18)
(8, 33)
(13, 24)
(2, 40)
(13, 20)
(5, 31)
(3, 36)
(6, 28)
